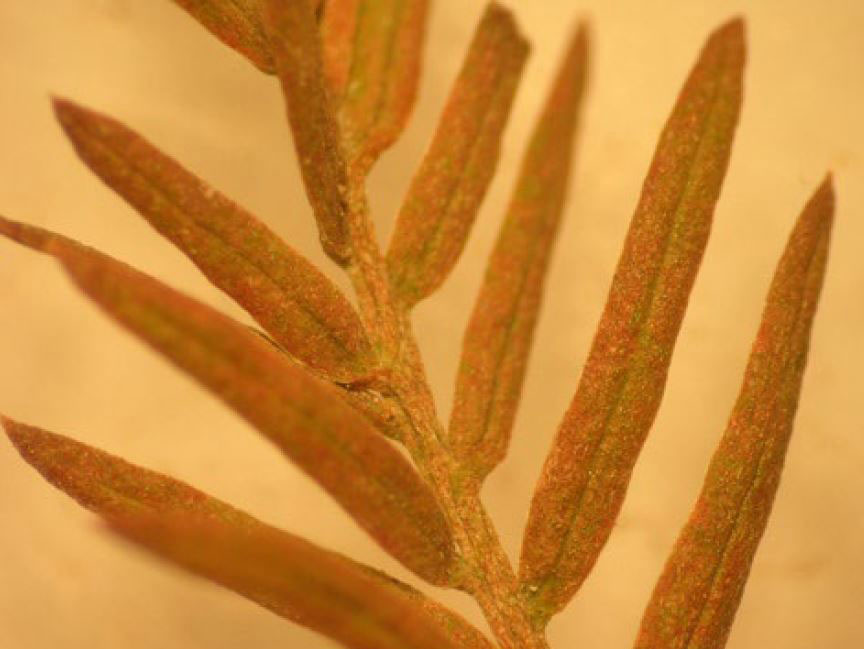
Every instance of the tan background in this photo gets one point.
(65, 583)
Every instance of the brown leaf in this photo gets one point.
(585, 476)
(118, 490)
(287, 295)
(324, 591)
(372, 57)
(238, 24)
(109, 485)
(304, 416)
(696, 597)
(296, 46)
(499, 335)
(447, 191)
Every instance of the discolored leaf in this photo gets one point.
(372, 57)
(116, 489)
(296, 47)
(287, 295)
(305, 417)
(499, 335)
(449, 187)
(238, 24)
(585, 476)
(696, 597)
(325, 592)
(111, 486)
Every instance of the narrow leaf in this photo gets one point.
(114, 488)
(238, 24)
(447, 191)
(372, 58)
(304, 416)
(303, 311)
(696, 597)
(499, 335)
(109, 485)
(585, 477)
(325, 592)
(296, 47)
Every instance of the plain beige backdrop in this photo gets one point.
(66, 583)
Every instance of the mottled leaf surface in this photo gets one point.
(110, 486)
(498, 339)
(446, 193)
(290, 298)
(325, 592)
(372, 59)
(296, 46)
(238, 24)
(585, 476)
(114, 488)
(696, 598)
(304, 416)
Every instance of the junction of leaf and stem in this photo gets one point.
(327, 384)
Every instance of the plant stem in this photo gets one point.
(485, 571)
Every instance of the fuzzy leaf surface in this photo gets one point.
(290, 298)
(111, 486)
(498, 339)
(326, 593)
(238, 24)
(447, 191)
(372, 59)
(118, 490)
(586, 473)
(696, 597)
(296, 45)
(303, 416)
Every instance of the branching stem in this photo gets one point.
(485, 571)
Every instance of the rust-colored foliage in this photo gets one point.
(372, 57)
(499, 334)
(699, 591)
(586, 473)
(288, 296)
(446, 193)
(328, 383)
(124, 493)
(296, 49)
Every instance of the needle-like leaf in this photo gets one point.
(446, 193)
(372, 56)
(109, 485)
(118, 490)
(304, 416)
(696, 597)
(238, 24)
(499, 335)
(303, 311)
(325, 592)
(296, 45)
(585, 476)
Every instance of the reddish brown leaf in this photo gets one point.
(114, 488)
(325, 592)
(499, 335)
(296, 46)
(449, 187)
(287, 295)
(237, 23)
(586, 473)
(372, 57)
(304, 416)
(698, 593)
(111, 486)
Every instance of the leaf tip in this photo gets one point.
(730, 36)
(27, 440)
